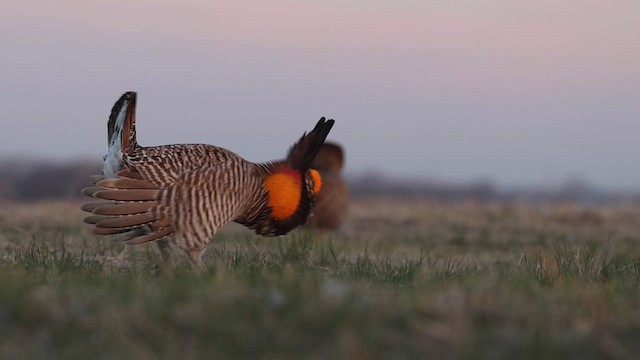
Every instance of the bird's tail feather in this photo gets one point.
(121, 133)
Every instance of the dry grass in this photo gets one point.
(404, 279)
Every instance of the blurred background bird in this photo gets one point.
(332, 202)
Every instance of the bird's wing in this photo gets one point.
(131, 209)
(193, 206)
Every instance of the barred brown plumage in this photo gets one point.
(184, 193)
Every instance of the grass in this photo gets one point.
(520, 281)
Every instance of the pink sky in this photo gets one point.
(521, 92)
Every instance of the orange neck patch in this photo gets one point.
(317, 180)
(284, 186)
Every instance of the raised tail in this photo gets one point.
(302, 153)
(121, 133)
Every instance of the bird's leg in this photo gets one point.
(165, 250)
(124, 255)
(196, 258)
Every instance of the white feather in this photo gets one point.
(113, 160)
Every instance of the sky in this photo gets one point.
(521, 93)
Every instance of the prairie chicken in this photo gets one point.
(184, 193)
(332, 201)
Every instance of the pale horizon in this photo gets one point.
(521, 94)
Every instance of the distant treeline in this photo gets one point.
(32, 180)
(482, 190)
(375, 183)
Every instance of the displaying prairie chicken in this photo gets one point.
(332, 201)
(184, 193)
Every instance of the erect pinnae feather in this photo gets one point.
(304, 151)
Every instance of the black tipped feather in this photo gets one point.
(302, 154)
(300, 157)
(128, 134)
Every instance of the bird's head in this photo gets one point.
(292, 185)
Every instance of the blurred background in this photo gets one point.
(489, 99)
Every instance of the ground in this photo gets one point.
(403, 279)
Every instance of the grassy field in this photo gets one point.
(404, 279)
